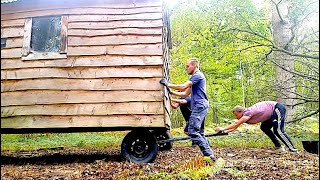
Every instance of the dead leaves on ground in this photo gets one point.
(178, 163)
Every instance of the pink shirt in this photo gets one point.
(260, 111)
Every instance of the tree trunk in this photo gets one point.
(282, 35)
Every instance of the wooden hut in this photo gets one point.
(81, 63)
(78, 65)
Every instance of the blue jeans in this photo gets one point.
(196, 128)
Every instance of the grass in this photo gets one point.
(245, 136)
(251, 135)
(98, 140)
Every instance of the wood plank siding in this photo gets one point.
(106, 75)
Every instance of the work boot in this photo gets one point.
(279, 149)
(294, 150)
(193, 145)
(213, 158)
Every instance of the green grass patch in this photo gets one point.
(98, 140)
(245, 136)
(251, 136)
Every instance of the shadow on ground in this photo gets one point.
(58, 157)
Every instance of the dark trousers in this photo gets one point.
(186, 112)
(277, 123)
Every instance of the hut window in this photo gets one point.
(45, 38)
(46, 34)
(3, 42)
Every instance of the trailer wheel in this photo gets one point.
(139, 147)
(163, 135)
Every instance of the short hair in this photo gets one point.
(194, 61)
(237, 108)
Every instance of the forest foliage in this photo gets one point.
(233, 41)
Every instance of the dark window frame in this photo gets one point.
(3, 42)
(29, 54)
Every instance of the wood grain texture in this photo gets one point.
(11, 53)
(113, 17)
(83, 121)
(108, 73)
(116, 24)
(111, 32)
(114, 40)
(84, 61)
(32, 97)
(27, 37)
(13, 43)
(44, 55)
(12, 32)
(134, 49)
(12, 23)
(94, 72)
(85, 109)
(81, 84)
(64, 34)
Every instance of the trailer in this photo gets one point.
(87, 66)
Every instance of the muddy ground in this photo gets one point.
(248, 163)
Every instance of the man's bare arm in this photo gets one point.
(182, 94)
(234, 125)
(180, 87)
(180, 101)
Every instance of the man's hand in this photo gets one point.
(164, 82)
(174, 105)
(219, 129)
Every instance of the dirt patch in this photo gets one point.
(250, 163)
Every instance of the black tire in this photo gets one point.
(139, 146)
(163, 135)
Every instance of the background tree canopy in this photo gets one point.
(234, 42)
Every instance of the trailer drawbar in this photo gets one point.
(187, 138)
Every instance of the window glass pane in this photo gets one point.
(46, 34)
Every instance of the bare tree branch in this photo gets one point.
(275, 48)
(252, 33)
(308, 115)
(295, 54)
(295, 73)
(302, 103)
(278, 11)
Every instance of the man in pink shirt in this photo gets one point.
(271, 114)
